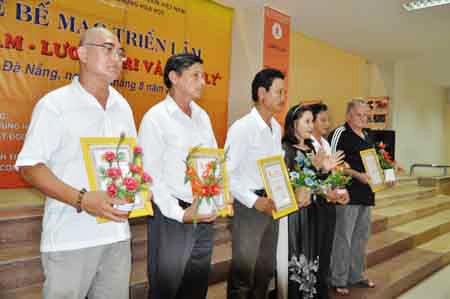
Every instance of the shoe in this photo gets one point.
(365, 283)
(341, 290)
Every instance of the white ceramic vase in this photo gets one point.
(389, 175)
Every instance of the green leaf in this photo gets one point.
(121, 156)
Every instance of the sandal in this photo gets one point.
(364, 284)
(341, 290)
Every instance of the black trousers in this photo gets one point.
(254, 245)
(179, 258)
(326, 227)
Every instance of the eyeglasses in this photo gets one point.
(109, 49)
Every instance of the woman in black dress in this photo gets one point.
(304, 239)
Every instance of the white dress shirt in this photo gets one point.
(166, 134)
(58, 121)
(248, 140)
(323, 144)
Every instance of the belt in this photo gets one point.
(261, 192)
(183, 204)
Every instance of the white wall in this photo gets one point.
(419, 117)
(246, 59)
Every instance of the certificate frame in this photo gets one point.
(200, 154)
(265, 170)
(93, 148)
(373, 169)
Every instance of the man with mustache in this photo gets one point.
(80, 257)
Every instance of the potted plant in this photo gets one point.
(386, 162)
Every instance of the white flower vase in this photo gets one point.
(389, 175)
(126, 207)
(206, 207)
(341, 191)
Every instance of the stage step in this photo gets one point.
(394, 241)
(19, 250)
(401, 194)
(397, 275)
(409, 219)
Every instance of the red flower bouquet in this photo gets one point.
(121, 181)
(386, 161)
(205, 185)
(388, 164)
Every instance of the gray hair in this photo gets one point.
(355, 102)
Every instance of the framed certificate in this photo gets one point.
(373, 169)
(278, 186)
(94, 150)
(200, 157)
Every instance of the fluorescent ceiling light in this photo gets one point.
(421, 4)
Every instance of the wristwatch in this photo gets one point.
(79, 199)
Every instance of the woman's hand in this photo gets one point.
(327, 162)
(303, 196)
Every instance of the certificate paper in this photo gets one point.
(278, 186)
(373, 169)
(93, 151)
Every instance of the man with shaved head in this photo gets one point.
(80, 257)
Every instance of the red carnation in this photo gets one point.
(137, 150)
(114, 172)
(135, 168)
(112, 190)
(205, 191)
(146, 177)
(131, 184)
(381, 145)
(109, 156)
(205, 174)
(215, 189)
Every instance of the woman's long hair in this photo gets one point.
(289, 137)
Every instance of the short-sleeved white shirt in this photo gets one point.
(58, 121)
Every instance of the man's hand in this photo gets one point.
(99, 204)
(342, 196)
(265, 205)
(189, 213)
(363, 178)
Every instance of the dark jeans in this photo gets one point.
(179, 258)
(254, 245)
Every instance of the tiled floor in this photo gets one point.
(434, 287)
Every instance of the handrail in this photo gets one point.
(444, 167)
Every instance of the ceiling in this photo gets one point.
(379, 30)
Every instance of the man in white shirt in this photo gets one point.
(321, 127)
(80, 257)
(255, 136)
(179, 251)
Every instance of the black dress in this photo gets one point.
(306, 242)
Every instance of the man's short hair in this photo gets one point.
(178, 63)
(317, 108)
(264, 79)
(355, 102)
